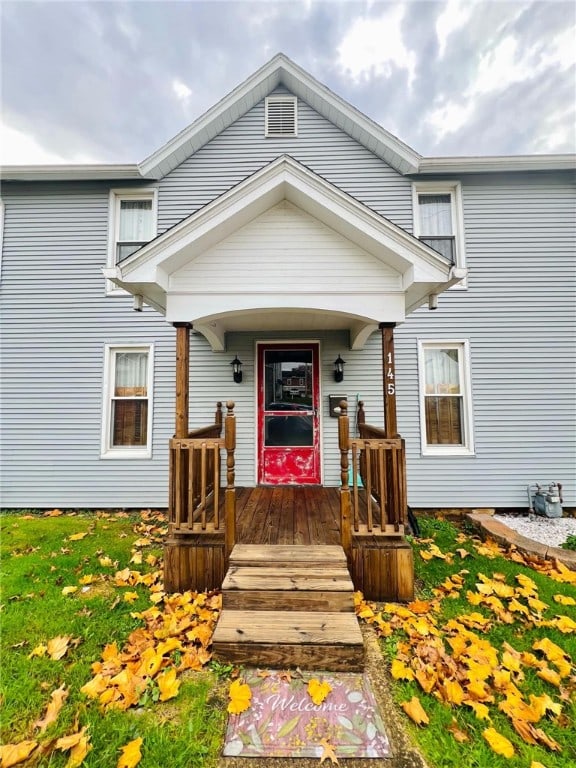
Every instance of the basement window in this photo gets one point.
(281, 116)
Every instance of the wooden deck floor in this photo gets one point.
(288, 515)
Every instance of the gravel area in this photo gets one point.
(550, 531)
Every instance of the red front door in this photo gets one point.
(288, 423)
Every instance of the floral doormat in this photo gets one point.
(284, 721)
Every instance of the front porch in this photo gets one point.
(366, 515)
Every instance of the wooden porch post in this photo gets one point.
(230, 493)
(345, 502)
(182, 378)
(389, 379)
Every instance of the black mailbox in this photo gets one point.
(334, 404)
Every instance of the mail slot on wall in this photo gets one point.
(334, 404)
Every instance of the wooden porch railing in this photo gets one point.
(195, 479)
(373, 497)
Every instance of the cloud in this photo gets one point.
(181, 90)
(20, 148)
(455, 15)
(375, 46)
(114, 81)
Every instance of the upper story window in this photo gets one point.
(281, 116)
(132, 224)
(438, 219)
(127, 417)
(445, 398)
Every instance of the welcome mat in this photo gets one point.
(283, 721)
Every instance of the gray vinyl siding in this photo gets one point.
(517, 313)
(519, 316)
(55, 320)
(242, 149)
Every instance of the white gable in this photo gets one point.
(289, 248)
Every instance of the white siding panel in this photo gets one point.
(289, 248)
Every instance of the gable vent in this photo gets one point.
(281, 116)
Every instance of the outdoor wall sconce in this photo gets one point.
(237, 370)
(339, 369)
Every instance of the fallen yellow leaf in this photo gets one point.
(69, 590)
(57, 647)
(415, 711)
(12, 754)
(240, 697)
(327, 752)
(67, 742)
(58, 697)
(77, 536)
(168, 684)
(564, 600)
(131, 754)
(400, 671)
(498, 743)
(318, 691)
(79, 752)
(40, 650)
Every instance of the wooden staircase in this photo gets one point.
(289, 606)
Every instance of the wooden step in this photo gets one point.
(283, 639)
(289, 588)
(288, 555)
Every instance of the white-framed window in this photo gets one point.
(446, 423)
(439, 219)
(132, 223)
(127, 411)
(281, 116)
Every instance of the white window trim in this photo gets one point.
(127, 452)
(115, 198)
(454, 189)
(467, 449)
(276, 98)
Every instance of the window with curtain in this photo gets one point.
(436, 228)
(134, 226)
(127, 412)
(445, 397)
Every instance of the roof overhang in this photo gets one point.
(149, 273)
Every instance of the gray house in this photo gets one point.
(294, 254)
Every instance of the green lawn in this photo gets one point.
(39, 560)
(94, 581)
(482, 616)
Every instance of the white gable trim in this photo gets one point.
(280, 71)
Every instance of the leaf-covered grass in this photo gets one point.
(40, 557)
(414, 644)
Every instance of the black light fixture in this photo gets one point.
(339, 369)
(237, 370)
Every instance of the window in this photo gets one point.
(281, 116)
(132, 224)
(438, 219)
(127, 422)
(445, 398)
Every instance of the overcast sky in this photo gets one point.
(113, 81)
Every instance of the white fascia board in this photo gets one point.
(278, 70)
(69, 172)
(495, 164)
